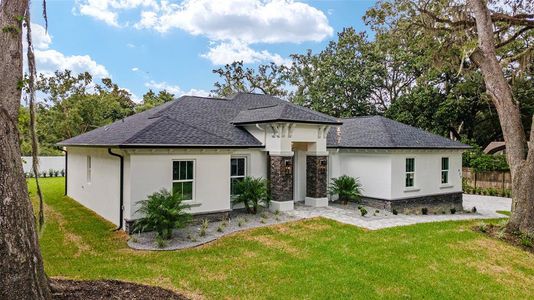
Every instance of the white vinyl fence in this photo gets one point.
(46, 163)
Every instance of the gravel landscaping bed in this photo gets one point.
(192, 236)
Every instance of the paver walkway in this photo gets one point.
(377, 219)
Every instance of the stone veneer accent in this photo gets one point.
(280, 181)
(435, 204)
(316, 176)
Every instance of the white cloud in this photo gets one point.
(174, 89)
(226, 22)
(251, 21)
(135, 69)
(130, 45)
(107, 10)
(49, 60)
(226, 53)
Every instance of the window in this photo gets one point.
(183, 178)
(444, 170)
(238, 167)
(410, 172)
(88, 169)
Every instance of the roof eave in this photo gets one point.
(288, 121)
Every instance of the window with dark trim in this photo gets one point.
(183, 178)
(238, 171)
(410, 172)
(444, 170)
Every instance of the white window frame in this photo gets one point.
(445, 170)
(89, 167)
(193, 193)
(406, 172)
(245, 168)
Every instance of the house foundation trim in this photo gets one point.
(281, 205)
(316, 202)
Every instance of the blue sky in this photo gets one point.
(144, 44)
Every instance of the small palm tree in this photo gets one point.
(251, 192)
(162, 213)
(347, 188)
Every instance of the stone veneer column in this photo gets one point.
(316, 181)
(280, 175)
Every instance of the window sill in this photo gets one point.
(446, 186)
(192, 203)
(411, 189)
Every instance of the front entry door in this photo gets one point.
(299, 181)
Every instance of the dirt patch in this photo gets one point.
(496, 232)
(108, 289)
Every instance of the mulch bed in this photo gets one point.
(495, 232)
(107, 289)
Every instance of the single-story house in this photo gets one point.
(200, 146)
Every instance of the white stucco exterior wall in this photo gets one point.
(151, 171)
(427, 173)
(382, 172)
(372, 169)
(101, 194)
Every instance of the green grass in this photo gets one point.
(504, 212)
(315, 258)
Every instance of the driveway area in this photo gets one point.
(378, 219)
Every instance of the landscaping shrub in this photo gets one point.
(424, 211)
(453, 210)
(347, 188)
(252, 192)
(51, 173)
(474, 209)
(204, 227)
(395, 212)
(526, 241)
(162, 212)
(363, 211)
(62, 172)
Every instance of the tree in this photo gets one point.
(498, 42)
(21, 267)
(267, 79)
(339, 80)
(150, 100)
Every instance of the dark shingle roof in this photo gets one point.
(214, 122)
(283, 111)
(381, 132)
(195, 121)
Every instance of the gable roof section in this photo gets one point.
(195, 122)
(381, 133)
(282, 111)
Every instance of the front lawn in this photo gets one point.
(315, 258)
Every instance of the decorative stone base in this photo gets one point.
(316, 202)
(431, 204)
(281, 205)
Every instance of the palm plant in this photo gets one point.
(162, 213)
(347, 188)
(251, 192)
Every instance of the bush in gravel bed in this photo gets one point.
(162, 212)
(347, 188)
(252, 192)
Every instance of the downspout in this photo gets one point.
(121, 185)
(66, 167)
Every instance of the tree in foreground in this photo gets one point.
(22, 273)
(496, 38)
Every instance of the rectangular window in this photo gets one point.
(183, 178)
(238, 171)
(444, 170)
(88, 169)
(410, 172)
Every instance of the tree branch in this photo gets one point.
(515, 36)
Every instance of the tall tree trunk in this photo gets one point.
(21, 266)
(520, 157)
